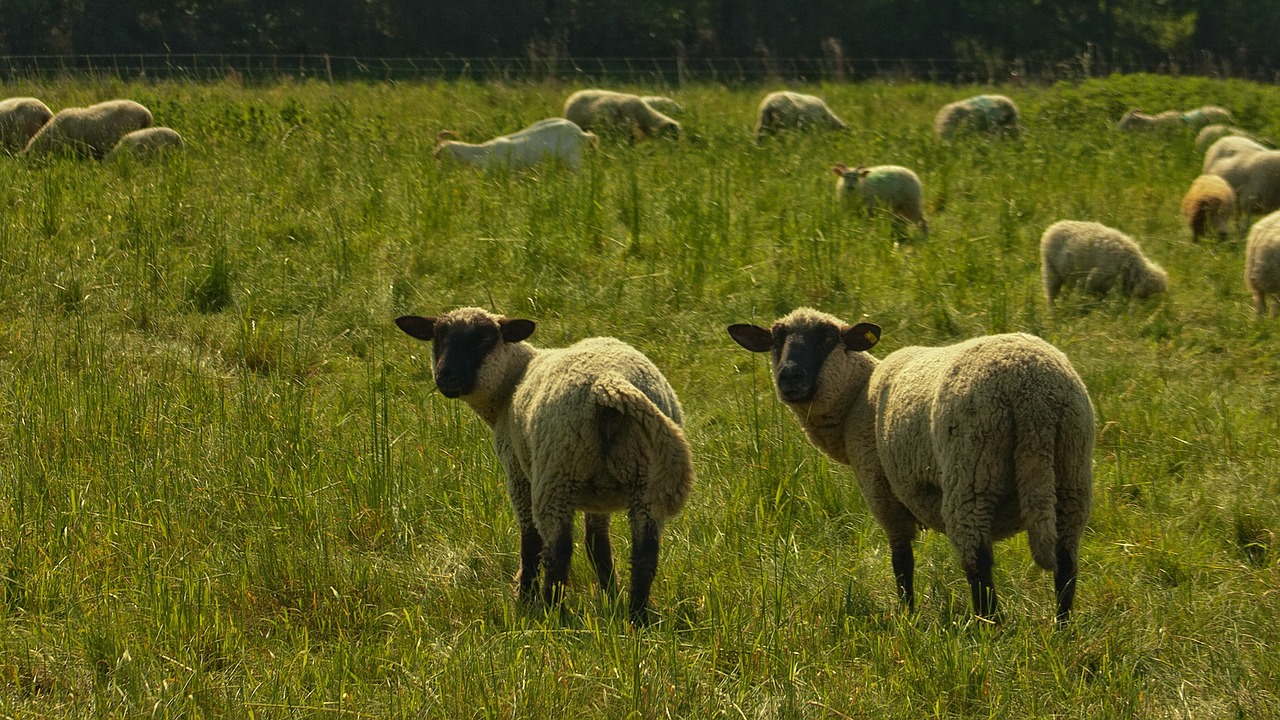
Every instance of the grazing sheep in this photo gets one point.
(794, 111)
(895, 187)
(1262, 263)
(550, 139)
(1210, 134)
(148, 142)
(977, 440)
(981, 113)
(592, 427)
(89, 131)
(1210, 202)
(1195, 119)
(1102, 256)
(1228, 147)
(604, 110)
(20, 118)
(662, 104)
(1255, 176)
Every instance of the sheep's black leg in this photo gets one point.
(904, 568)
(1064, 583)
(530, 557)
(557, 555)
(980, 584)
(600, 553)
(644, 566)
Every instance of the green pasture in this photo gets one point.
(228, 488)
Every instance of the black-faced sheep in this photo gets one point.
(981, 113)
(794, 111)
(1194, 119)
(890, 186)
(148, 142)
(1262, 263)
(1101, 257)
(89, 131)
(545, 140)
(1210, 203)
(592, 427)
(977, 440)
(20, 119)
(604, 111)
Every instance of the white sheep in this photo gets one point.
(891, 186)
(1262, 263)
(662, 104)
(977, 440)
(89, 131)
(148, 142)
(1072, 250)
(1209, 134)
(592, 427)
(980, 113)
(1209, 203)
(1228, 147)
(786, 110)
(545, 140)
(1255, 176)
(20, 118)
(605, 110)
(1196, 119)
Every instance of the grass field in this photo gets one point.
(228, 488)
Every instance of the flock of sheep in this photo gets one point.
(104, 130)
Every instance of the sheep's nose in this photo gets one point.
(790, 374)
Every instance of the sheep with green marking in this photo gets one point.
(20, 119)
(594, 427)
(89, 131)
(1196, 119)
(995, 114)
(978, 440)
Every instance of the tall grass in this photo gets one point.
(228, 489)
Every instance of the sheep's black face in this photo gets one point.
(798, 357)
(459, 351)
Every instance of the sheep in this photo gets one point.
(1196, 119)
(1262, 263)
(549, 139)
(894, 186)
(148, 142)
(1209, 134)
(981, 113)
(791, 110)
(592, 427)
(1227, 147)
(1255, 176)
(662, 104)
(1103, 256)
(606, 110)
(20, 118)
(1209, 202)
(89, 131)
(977, 440)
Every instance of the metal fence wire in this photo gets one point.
(662, 71)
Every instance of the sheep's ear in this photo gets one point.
(839, 168)
(862, 171)
(862, 336)
(751, 337)
(418, 327)
(516, 329)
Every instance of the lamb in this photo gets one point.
(1262, 263)
(662, 104)
(592, 427)
(545, 140)
(1196, 119)
(980, 113)
(1210, 134)
(1209, 202)
(89, 131)
(20, 118)
(1228, 147)
(791, 110)
(606, 110)
(893, 186)
(977, 440)
(1255, 176)
(1103, 256)
(148, 142)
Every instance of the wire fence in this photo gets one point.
(661, 71)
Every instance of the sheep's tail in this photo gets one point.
(1033, 467)
(670, 463)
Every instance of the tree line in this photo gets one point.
(1124, 32)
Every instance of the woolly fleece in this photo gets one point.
(1262, 263)
(1228, 147)
(892, 186)
(20, 119)
(89, 131)
(1072, 249)
(148, 142)
(981, 113)
(786, 110)
(545, 140)
(1255, 176)
(604, 110)
(1209, 203)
